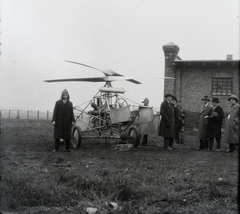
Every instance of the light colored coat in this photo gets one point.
(203, 122)
(232, 129)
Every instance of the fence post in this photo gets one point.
(47, 114)
(38, 114)
(28, 114)
(9, 115)
(18, 115)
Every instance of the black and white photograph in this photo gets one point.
(119, 106)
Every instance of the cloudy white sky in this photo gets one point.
(123, 35)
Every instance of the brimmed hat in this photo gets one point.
(233, 96)
(174, 98)
(205, 98)
(146, 100)
(168, 95)
(215, 100)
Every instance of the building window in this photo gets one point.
(222, 86)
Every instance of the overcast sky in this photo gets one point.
(125, 36)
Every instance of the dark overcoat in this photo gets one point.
(63, 116)
(167, 123)
(232, 128)
(203, 122)
(177, 122)
(215, 123)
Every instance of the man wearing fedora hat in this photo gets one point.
(203, 123)
(215, 124)
(232, 125)
(167, 123)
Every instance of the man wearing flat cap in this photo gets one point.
(167, 123)
(203, 123)
(215, 124)
(145, 102)
(232, 125)
(145, 137)
(63, 120)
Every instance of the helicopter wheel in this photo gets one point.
(120, 102)
(76, 137)
(134, 138)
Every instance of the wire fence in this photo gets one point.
(29, 114)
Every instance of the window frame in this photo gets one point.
(222, 86)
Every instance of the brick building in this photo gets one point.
(197, 78)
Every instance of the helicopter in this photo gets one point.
(111, 115)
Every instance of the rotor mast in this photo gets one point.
(108, 84)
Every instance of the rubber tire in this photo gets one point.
(76, 137)
(134, 137)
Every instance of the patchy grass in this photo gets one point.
(142, 180)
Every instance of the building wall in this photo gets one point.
(195, 84)
(193, 81)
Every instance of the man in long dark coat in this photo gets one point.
(215, 124)
(203, 123)
(167, 123)
(63, 120)
(232, 125)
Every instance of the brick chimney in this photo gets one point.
(171, 53)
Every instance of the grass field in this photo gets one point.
(142, 180)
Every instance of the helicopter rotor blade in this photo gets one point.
(107, 73)
(90, 79)
(134, 81)
(95, 79)
(151, 78)
(105, 79)
(122, 78)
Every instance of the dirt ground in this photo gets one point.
(26, 149)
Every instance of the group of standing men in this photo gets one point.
(211, 124)
(172, 123)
